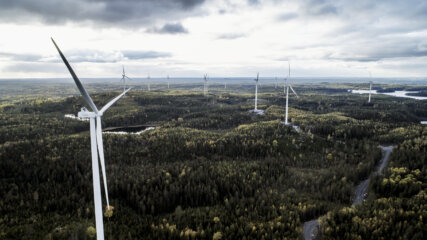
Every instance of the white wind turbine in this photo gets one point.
(124, 78)
(168, 81)
(370, 87)
(286, 90)
(205, 87)
(96, 145)
(148, 82)
(256, 92)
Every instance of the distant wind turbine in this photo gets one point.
(256, 92)
(205, 87)
(124, 78)
(168, 81)
(96, 141)
(370, 87)
(286, 90)
(148, 82)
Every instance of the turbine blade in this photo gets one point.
(112, 101)
(82, 90)
(293, 90)
(129, 78)
(101, 156)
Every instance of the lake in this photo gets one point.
(394, 94)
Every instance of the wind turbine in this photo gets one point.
(370, 87)
(205, 87)
(256, 92)
(148, 82)
(286, 90)
(96, 142)
(124, 78)
(168, 81)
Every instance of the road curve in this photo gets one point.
(361, 190)
(310, 228)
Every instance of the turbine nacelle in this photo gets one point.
(84, 113)
(257, 78)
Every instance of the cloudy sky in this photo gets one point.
(224, 38)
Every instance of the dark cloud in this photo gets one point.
(170, 28)
(124, 13)
(231, 36)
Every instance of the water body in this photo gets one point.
(72, 116)
(394, 94)
(129, 130)
(311, 228)
(257, 112)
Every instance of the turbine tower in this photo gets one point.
(256, 92)
(96, 145)
(124, 78)
(286, 90)
(168, 81)
(148, 82)
(370, 87)
(205, 87)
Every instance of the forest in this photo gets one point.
(211, 169)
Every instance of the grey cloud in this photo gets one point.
(231, 36)
(126, 13)
(34, 68)
(287, 16)
(253, 2)
(370, 31)
(390, 50)
(325, 10)
(21, 57)
(144, 54)
(112, 56)
(321, 7)
(86, 55)
(170, 28)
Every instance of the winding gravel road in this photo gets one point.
(310, 228)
